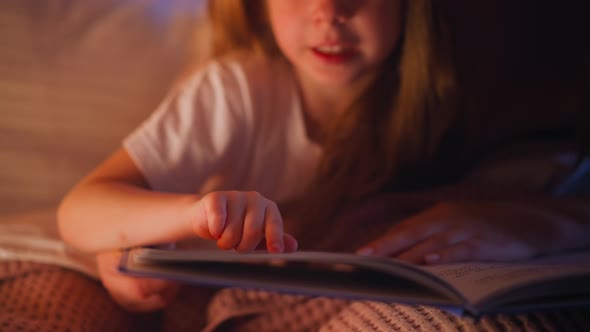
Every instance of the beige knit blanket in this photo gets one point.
(260, 311)
(47, 298)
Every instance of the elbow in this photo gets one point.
(69, 227)
(65, 224)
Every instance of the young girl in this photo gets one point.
(308, 106)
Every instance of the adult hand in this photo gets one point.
(240, 220)
(131, 293)
(462, 231)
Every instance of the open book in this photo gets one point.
(470, 289)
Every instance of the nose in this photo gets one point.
(334, 11)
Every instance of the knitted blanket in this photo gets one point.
(261, 311)
(47, 298)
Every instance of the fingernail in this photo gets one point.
(365, 251)
(432, 258)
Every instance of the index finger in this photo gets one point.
(273, 229)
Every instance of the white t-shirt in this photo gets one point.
(241, 120)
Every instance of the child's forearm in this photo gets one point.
(107, 215)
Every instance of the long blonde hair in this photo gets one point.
(396, 124)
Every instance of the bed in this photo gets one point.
(75, 77)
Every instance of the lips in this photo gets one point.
(334, 53)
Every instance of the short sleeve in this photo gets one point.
(199, 129)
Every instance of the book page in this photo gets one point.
(479, 282)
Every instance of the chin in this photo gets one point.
(337, 80)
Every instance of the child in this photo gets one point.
(313, 103)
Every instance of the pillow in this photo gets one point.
(75, 77)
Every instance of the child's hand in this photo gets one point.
(240, 220)
(453, 232)
(133, 294)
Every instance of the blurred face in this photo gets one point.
(335, 42)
